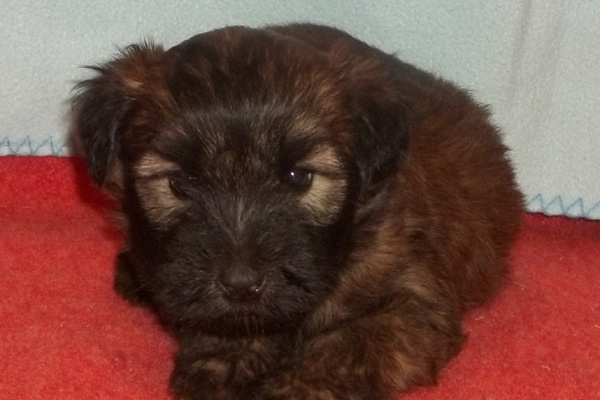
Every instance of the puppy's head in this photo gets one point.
(239, 159)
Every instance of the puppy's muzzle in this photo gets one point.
(241, 283)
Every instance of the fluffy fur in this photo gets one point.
(309, 216)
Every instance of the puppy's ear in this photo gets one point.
(101, 105)
(382, 141)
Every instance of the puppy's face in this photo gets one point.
(239, 159)
(245, 205)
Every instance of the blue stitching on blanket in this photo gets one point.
(556, 206)
(46, 147)
(537, 203)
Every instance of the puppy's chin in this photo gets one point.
(248, 324)
(240, 320)
(280, 309)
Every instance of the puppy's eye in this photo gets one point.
(180, 184)
(299, 178)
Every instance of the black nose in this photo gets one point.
(241, 283)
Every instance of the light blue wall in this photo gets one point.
(535, 62)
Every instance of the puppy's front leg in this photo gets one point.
(126, 282)
(214, 368)
(373, 357)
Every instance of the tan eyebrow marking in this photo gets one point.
(328, 190)
(151, 165)
(322, 159)
(153, 187)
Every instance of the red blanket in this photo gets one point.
(64, 334)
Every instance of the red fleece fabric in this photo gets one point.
(64, 333)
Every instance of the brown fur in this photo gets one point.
(309, 216)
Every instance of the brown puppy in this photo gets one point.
(309, 216)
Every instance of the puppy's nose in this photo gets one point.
(241, 283)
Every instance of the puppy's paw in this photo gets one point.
(189, 383)
(295, 387)
(288, 387)
(127, 284)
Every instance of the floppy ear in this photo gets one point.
(373, 82)
(101, 105)
(382, 139)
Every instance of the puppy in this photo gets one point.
(309, 216)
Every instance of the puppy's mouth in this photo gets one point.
(253, 312)
(244, 322)
(238, 324)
